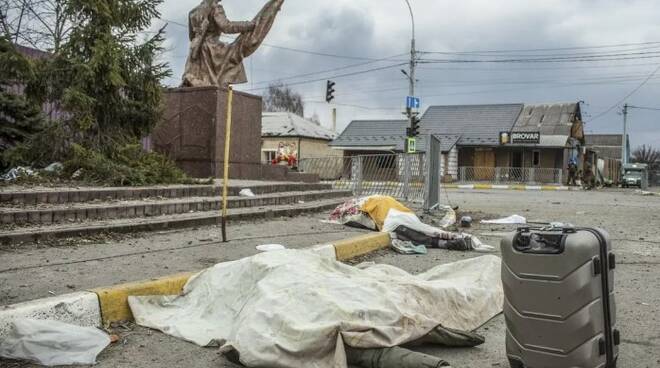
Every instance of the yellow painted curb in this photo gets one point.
(549, 187)
(519, 187)
(113, 301)
(483, 186)
(361, 245)
(450, 186)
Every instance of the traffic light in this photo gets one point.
(413, 131)
(330, 92)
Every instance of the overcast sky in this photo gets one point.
(361, 32)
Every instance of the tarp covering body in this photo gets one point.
(297, 309)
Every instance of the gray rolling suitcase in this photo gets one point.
(559, 302)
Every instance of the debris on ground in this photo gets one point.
(18, 172)
(246, 193)
(53, 343)
(645, 193)
(511, 220)
(323, 305)
(466, 221)
(408, 247)
(270, 247)
(55, 167)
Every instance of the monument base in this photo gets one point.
(193, 129)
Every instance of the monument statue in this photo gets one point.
(212, 62)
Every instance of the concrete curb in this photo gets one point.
(102, 306)
(510, 187)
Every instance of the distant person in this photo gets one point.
(572, 173)
(588, 178)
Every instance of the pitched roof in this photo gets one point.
(550, 119)
(286, 124)
(477, 125)
(468, 125)
(372, 133)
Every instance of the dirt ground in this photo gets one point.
(632, 221)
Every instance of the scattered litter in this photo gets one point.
(307, 296)
(560, 225)
(513, 219)
(407, 247)
(301, 202)
(270, 247)
(53, 343)
(78, 173)
(18, 172)
(466, 221)
(54, 167)
(246, 193)
(645, 193)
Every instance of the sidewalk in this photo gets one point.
(548, 187)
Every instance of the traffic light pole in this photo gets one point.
(413, 63)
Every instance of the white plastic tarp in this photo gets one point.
(297, 309)
(511, 220)
(53, 343)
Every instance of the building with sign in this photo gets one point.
(490, 143)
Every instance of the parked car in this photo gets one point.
(635, 175)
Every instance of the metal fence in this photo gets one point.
(398, 175)
(510, 175)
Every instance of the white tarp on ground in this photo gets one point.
(297, 309)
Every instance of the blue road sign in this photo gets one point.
(413, 102)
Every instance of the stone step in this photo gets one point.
(165, 222)
(91, 194)
(57, 214)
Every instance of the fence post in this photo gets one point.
(357, 174)
(561, 176)
(462, 174)
(406, 176)
(532, 175)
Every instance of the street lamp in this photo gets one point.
(413, 52)
(411, 73)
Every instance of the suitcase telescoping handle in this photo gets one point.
(547, 241)
(603, 263)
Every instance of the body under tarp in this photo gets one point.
(295, 308)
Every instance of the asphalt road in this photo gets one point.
(632, 221)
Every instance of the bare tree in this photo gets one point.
(280, 98)
(647, 155)
(41, 24)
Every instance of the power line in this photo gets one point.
(605, 57)
(598, 116)
(571, 54)
(291, 49)
(327, 71)
(357, 106)
(643, 108)
(335, 76)
(555, 49)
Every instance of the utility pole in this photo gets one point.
(413, 64)
(624, 141)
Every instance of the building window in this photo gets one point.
(536, 158)
(269, 156)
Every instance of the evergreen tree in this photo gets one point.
(106, 81)
(19, 117)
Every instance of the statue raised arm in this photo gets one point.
(212, 62)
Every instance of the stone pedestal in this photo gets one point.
(193, 131)
(192, 134)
